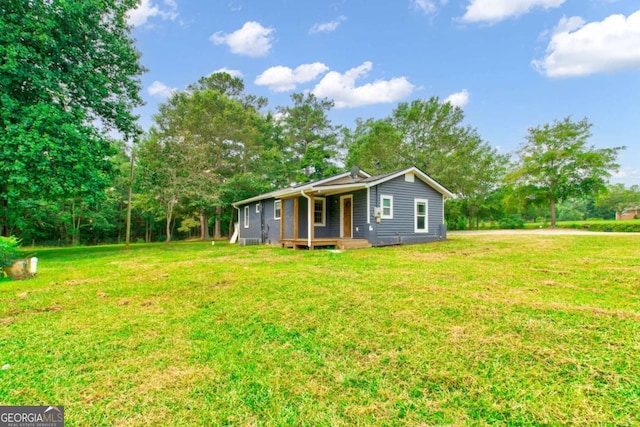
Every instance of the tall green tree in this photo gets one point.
(201, 138)
(312, 141)
(376, 146)
(69, 74)
(556, 163)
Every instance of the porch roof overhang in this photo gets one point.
(307, 188)
(330, 190)
(321, 190)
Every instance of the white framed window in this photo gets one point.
(386, 205)
(258, 207)
(421, 210)
(246, 216)
(319, 211)
(277, 209)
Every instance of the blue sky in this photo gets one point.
(510, 64)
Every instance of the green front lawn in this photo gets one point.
(474, 331)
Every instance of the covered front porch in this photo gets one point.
(320, 219)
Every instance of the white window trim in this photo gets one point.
(324, 212)
(382, 198)
(258, 207)
(426, 215)
(246, 216)
(275, 209)
(368, 206)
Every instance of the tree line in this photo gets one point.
(66, 87)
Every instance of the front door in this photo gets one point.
(347, 214)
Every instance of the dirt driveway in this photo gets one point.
(541, 232)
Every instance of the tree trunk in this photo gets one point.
(148, 236)
(553, 213)
(169, 217)
(204, 227)
(129, 198)
(75, 225)
(4, 220)
(120, 221)
(216, 232)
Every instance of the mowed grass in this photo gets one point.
(478, 330)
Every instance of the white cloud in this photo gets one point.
(629, 175)
(148, 9)
(426, 6)
(232, 73)
(498, 10)
(458, 99)
(327, 27)
(235, 6)
(161, 90)
(345, 94)
(252, 39)
(579, 49)
(282, 79)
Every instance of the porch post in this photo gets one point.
(295, 219)
(283, 203)
(312, 226)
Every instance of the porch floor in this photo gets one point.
(338, 243)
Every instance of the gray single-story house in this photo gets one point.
(349, 210)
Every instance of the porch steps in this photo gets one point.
(338, 243)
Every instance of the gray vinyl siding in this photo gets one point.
(360, 215)
(302, 218)
(287, 208)
(271, 225)
(333, 220)
(253, 231)
(400, 229)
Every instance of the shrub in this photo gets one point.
(512, 222)
(8, 250)
(616, 226)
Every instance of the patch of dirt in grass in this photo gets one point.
(621, 314)
(78, 282)
(568, 286)
(47, 309)
(148, 403)
(172, 378)
(426, 256)
(546, 270)
(7, 321)
(11, 316)
(220, 284)
(457, 333)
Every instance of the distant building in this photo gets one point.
(632, 213)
